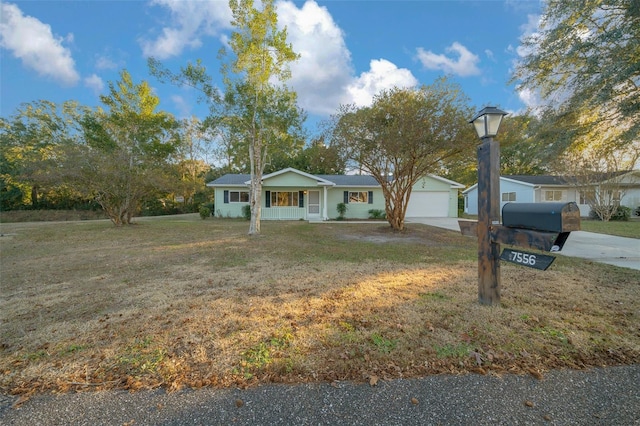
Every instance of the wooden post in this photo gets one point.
(488, 215)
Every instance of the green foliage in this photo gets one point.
(246, 212)
(342, 210)
(583, 60)
(376, 214)
(205, 212)
(622, 213)
(406, 134)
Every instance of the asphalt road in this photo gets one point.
(602, 396)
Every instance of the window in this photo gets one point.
(238, 196)
(358, 197)
(553, 195)
(508, 196)
(587, 197)
(284, 199)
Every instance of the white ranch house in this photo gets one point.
(290, 194)
(540, 189)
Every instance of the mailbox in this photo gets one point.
(550, 217)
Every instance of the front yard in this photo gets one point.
(177, 301)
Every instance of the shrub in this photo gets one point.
(376, 214)
(637, 211)
(622, 213)
(246, 212)
(204, 211)
(342, 209)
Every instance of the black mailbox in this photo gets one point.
(550, 217)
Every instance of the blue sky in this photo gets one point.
(63, 50)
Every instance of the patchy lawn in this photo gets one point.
(177, 301)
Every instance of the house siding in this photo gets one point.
(335, 196)
(331, 190)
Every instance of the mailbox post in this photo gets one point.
(487, 123)
(544, 226)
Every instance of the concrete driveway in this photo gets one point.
(602, 248)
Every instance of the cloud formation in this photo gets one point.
(323, 77)
(33, 42)
(95, 83)
(464, 63)
(189, 21)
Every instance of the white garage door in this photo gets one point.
(428, 204)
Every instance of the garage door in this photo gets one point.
(428, 204)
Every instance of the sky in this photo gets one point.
(350, 50)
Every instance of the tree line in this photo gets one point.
(126, 154)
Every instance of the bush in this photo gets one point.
(342, 209)
(246, 212)
(204, 211)
(638, 211)
(376, 214)
(622, 213)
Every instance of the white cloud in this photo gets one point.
(95, 83)
(190, 20)
(105, 63)
(33, 42)
(324, 69)
(324, 76)
(382, 75)
(464, 65)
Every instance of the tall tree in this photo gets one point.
(262, 108)
(125, 152)
(257, 114)
(584, 63)
(29, 140)
(404, 135)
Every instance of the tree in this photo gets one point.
(265, 113)
(29, 141)
(125, 150)
(599, 170)
(522, 152)
(404, 135)
(190, 155)
(317, 159)
(584, 62)
(257, 114)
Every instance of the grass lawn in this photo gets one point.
(630, 229)
(178, 301)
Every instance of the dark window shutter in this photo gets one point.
(370, 197)
(300, 199)
(267, 199)
(346, 197)
(226, 196)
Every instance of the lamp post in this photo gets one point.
(487, 122)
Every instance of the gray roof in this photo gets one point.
(540, 180)
(351, 180)
(232, 179)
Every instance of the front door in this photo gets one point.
(313, 205)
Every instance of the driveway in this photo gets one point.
(619, 251)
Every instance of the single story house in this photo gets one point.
(540, 189)
(290, 194)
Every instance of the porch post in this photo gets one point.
(325, 216)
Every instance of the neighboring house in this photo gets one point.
(291, 194)
(540, 189)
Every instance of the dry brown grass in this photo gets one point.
(177, 301)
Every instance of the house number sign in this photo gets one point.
(532, 260)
